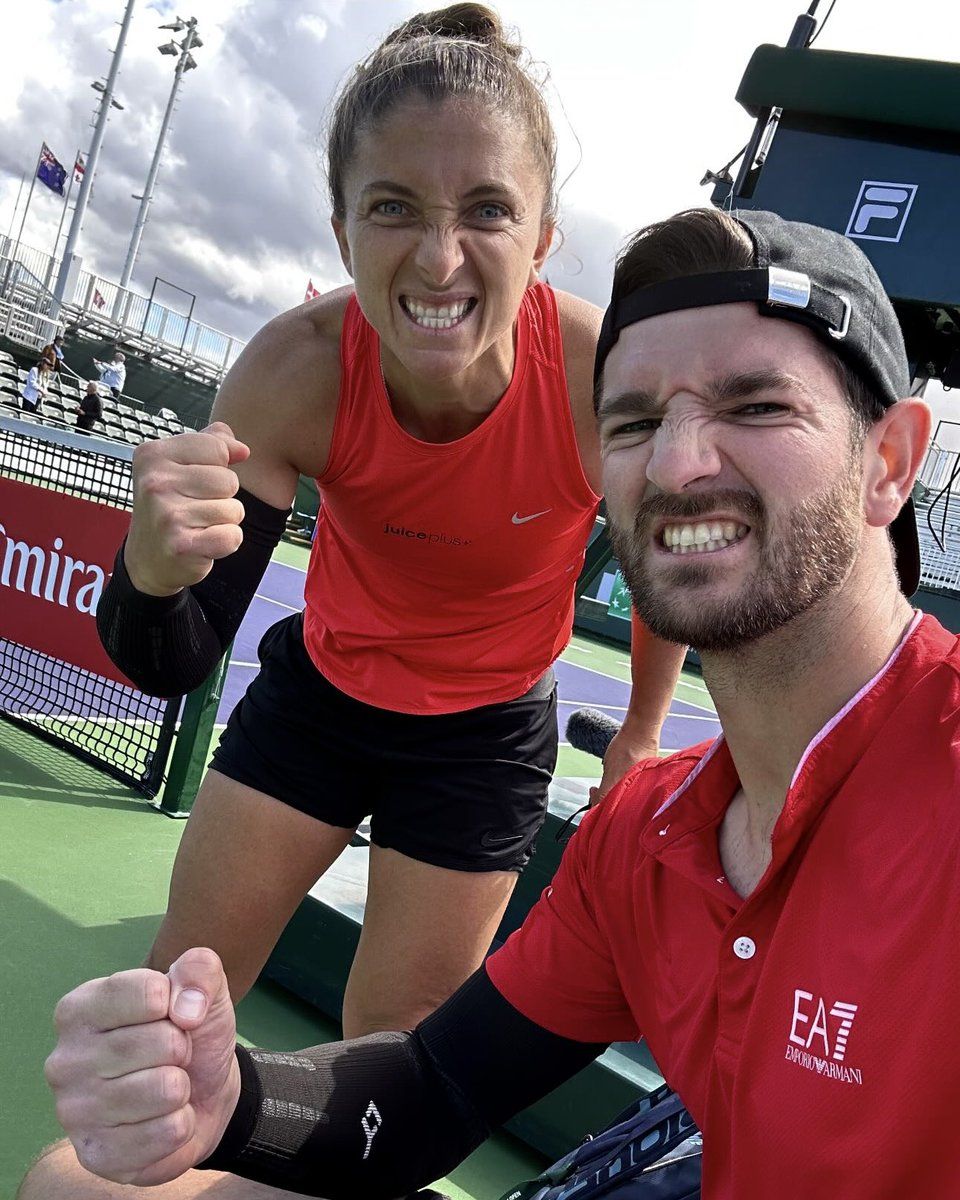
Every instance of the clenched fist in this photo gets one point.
(144, 1070)
(185, 515)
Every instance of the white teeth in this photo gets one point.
(435, 318)
(702, 537)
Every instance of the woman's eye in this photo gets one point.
(491, 211)
(391, 208)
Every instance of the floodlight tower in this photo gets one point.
(106, 101)
(185, 62)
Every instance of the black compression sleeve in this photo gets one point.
(381, 1116)
(168, 645)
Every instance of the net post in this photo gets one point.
(189, 758)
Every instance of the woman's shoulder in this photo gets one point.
(284, 387)
(579, 322)
(296, 354)
(303, 338)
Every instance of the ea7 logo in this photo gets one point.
(811, 1029)
(881, 211)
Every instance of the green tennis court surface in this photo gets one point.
(84, 866)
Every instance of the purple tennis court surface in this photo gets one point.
(281, 593)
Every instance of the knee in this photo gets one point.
(165, 951)
(385, 1014)
(50, 1176)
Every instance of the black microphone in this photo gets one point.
(590, 730)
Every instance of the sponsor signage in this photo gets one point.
(56, 554)
(880, 211)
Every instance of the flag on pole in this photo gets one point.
(50, 171)
(78, 169)
(312, 292)
(98, 300)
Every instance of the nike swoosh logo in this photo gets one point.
(487, 840)
(518, 520)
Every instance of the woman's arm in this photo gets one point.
(209, 507)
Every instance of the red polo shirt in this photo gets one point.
(811, 1028)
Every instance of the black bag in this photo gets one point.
(652, 1151)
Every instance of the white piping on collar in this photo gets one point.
(817, 738)
(714, 747)
(855, 700)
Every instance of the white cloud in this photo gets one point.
(240, 214)
(313, 24)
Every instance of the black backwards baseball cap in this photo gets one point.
(817, 278)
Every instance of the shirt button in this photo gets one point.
(744, 947)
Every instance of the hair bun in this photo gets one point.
(470, 22)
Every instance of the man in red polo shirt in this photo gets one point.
(773, 912)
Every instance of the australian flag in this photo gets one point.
(50, 171)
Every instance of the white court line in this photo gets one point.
(289, 566)
(593, 704)
(697, 687)
(278, 603)
(617, 679)
(235, 662)
(680, 716)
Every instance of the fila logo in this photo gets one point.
(881, 210)
(370, 1127)
(823, 1041)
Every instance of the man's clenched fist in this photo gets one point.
(144, 1070)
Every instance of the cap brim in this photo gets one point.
(906, 544)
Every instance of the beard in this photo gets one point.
(799, 564)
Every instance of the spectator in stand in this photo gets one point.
(35, 388)
(113, 374)
(91, 408)
(52, 354)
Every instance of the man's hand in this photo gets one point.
(626, 749)
(184, 512)
(144, 1070)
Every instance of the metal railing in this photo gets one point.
(938, 519)
(126, 313)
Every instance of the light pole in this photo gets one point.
(106, 99)
(185, 62)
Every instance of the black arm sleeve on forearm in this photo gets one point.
(168, 645)
(383, 1115)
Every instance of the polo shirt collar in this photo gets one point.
(700, 802)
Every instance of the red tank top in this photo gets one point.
(442, 576)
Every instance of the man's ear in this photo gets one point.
(340, 233)
(893, 452)
(547, 230)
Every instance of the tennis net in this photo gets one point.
(100, 719)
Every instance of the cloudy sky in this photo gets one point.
(642, 93)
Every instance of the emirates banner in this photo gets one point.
(56, 554)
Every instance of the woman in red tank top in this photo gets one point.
(444, 405)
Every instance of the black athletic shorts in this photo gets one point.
(464, 790)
